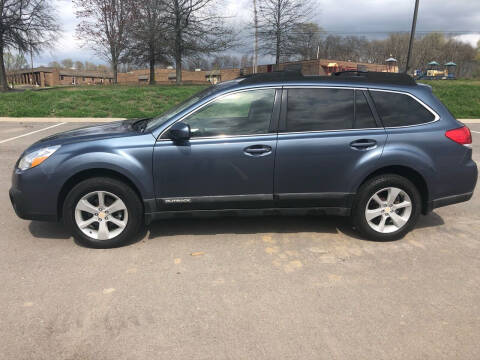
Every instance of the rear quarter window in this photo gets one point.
(397, 109)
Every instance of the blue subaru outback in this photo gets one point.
(374, 146)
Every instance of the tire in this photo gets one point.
(399, 217)
(107, 226)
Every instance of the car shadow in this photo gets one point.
(235, 225)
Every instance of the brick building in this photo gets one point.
(323, 67)
(307, 67)
(46, 76)
(168, 76)
(49, 76)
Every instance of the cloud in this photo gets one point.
(67, 45)
(370, 18)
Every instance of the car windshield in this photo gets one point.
(156, 121)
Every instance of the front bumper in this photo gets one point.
(33, 195)
(22, 209)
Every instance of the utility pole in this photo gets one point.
(31, 63)
(412, 36)
(255, 50)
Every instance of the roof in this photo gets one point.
(391, 59)
(85, 73)
(346, 76)
(65, 72)
(433, 63)
(213, 73)
(451, 63)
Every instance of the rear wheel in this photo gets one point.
(103, 212)
(387, 208)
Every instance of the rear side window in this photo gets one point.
(363, 114)
(400, 109)
(319, 109)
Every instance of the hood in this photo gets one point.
(109, 130)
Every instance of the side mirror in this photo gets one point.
(179, 132)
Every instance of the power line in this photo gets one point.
(457, 32)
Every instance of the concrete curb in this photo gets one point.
(57, 119)
(470, 121)
(102, 120)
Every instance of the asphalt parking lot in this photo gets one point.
(238, 288)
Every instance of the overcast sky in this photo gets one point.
(371, 18)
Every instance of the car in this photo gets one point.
(377, 147)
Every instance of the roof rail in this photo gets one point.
(348, 72)
(281, 75)
(378, 77)
(350, 75)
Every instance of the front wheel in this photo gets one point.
(387, 207)
(103, 212)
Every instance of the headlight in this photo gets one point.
(36, 157)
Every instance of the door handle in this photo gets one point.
(257, 150)
(363, 144)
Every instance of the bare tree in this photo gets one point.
(67, 63)
(246, 61)
(147, 32)
(277, 25)
(225, 62)
(26, 26)
(198, 62)
(79, 65)
(90, 66)
(15, 61)
(104, 27)
(103, 68)
(193, 27)
(54, 64)
(307, 40)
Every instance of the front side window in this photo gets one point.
(242, 113)
(397, 109)
(319, 109)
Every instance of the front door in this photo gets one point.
(228, 163)
(328, 137)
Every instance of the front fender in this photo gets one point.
(128, 156)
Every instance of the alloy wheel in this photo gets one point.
(101, 215)
(388, 210)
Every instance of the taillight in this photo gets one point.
(461, 135)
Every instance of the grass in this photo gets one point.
(462, 97)
(98, 101)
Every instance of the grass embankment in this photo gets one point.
(462, 97)
(95, 101)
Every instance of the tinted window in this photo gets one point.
(241, 113)
(399, 109)
(319, 109)
(363, 114)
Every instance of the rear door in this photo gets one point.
(328, 136)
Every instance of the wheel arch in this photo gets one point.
(88, 174)
(409, 173)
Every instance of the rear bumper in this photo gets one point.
(449, 200)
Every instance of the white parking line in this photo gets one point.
(476, 132)
(31, 133)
